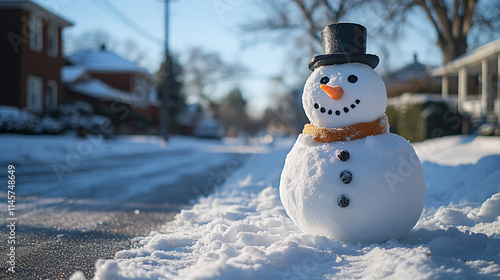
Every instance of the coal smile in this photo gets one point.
(337, 112)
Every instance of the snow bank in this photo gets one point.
(13, 119)
(411, 98)
(21, 149)
(242, 231)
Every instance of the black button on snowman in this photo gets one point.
(343, 155)
(343, 176)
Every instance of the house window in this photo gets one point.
(51, 96)
(141, 90)
(36, 33)
(52, 41)
(34, 94)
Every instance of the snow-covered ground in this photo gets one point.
(67, 167)
(70, 150)
(242, 231)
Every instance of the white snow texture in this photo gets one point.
(386, 194)
(242, 231)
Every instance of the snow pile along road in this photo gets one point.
(242, 232)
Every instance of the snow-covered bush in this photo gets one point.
(102, 125)
(78, 116)
(489, 129)
(48, 125)
(75, 116)
(417, 117)
(15, 120)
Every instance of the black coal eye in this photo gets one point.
(352, 79)
(324, 80)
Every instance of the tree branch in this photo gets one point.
(469, 11)
(442, 17)
(457, 18)
(308, 16)
(423, 4)
(334, 13)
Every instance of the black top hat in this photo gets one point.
(343, 43)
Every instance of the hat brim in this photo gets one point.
(331, 59)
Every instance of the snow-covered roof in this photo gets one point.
(35, 8)
(472, 58)
(105, 61)
(98, 89)
(415, 70)
(71, 73)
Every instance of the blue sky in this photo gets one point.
(212, 25)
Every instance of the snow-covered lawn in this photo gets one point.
(67, 149)
(242, 231)
(95, 170)
(70, 150)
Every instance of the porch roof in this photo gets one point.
(471, 60)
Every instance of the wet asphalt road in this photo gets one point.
(47, 251)
(98, 208)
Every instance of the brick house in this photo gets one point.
(31, 56)
(117, 72)
(122, 78)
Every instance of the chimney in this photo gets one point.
(415, 58)
(103, 47)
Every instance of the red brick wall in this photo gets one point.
(10, 58)
(40, 63)
(18, 61)
(123, 81)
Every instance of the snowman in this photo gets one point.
(347, 176)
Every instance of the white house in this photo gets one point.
(477, 77)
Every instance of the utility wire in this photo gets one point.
(130, 23)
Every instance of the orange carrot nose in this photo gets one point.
(334, 92)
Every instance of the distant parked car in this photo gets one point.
(209, 129)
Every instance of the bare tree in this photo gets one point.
(300, 21)
(233, 112)
(88, 40)
(132, 51)
(452, 20)
(204, 73)
(307, 16)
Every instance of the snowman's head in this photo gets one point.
(344, 94)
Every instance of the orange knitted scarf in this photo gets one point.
(350, 132)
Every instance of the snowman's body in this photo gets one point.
(385, 196)
(366, 190)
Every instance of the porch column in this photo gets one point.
(445, 87)
(485, 86)
(497, 103)
(462, 87)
